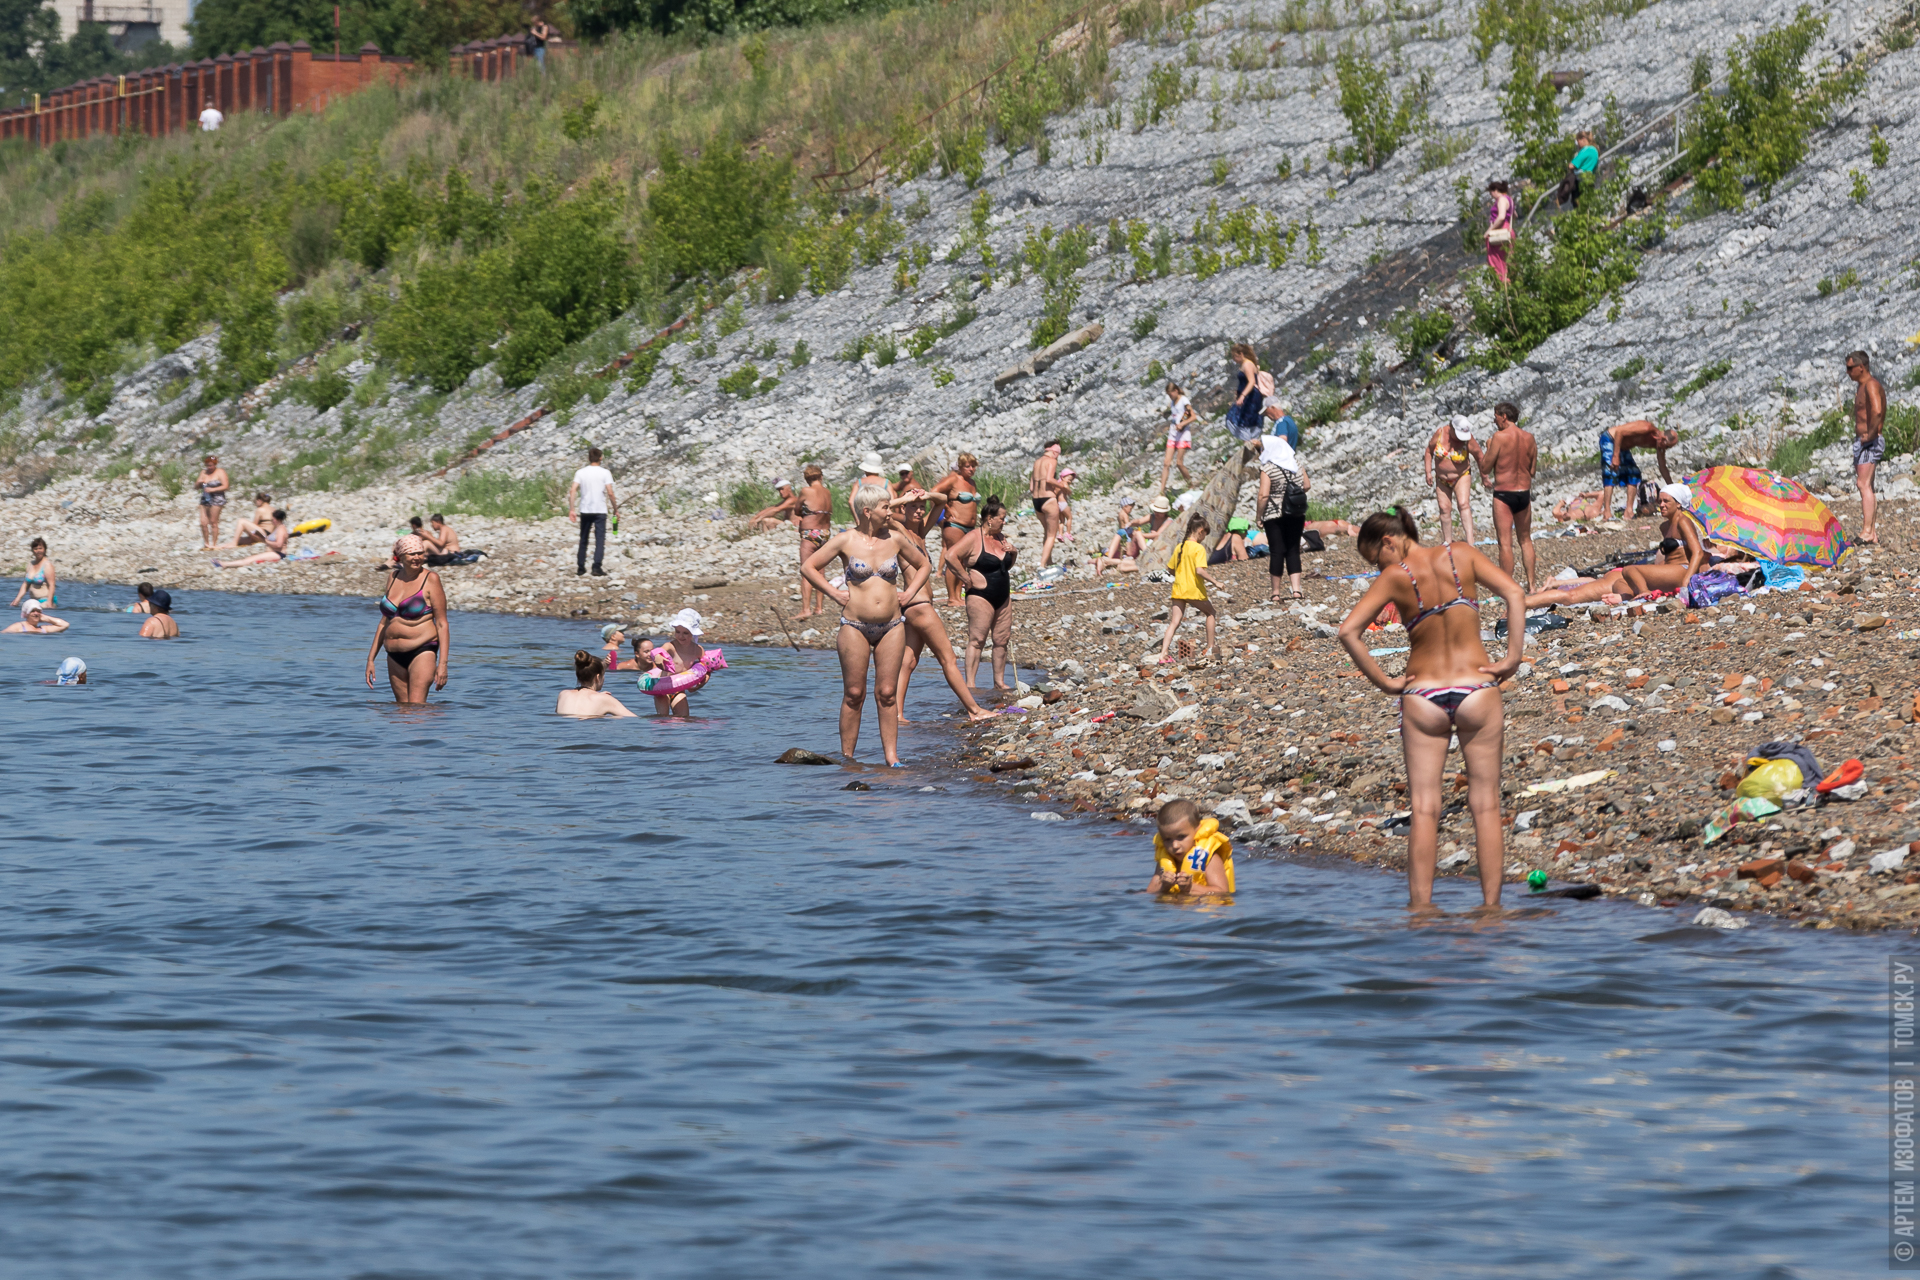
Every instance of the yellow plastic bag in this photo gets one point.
(1767, 779)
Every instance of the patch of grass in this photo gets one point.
(1631, 369)
(1792, 456)
(1830, 285)
(1712, 373)
(750, 495)
(495, 493)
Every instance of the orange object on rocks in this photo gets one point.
(1760, 868)
(1732, 681)
(1845, 775)
(1560, 686)
(1800, 871)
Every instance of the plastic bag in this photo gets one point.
(1710, 587)
(1770, 779)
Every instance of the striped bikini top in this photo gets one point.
(1459, 595)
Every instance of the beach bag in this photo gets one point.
(1499, 235)
(1710, 587)
(1310, 540)
(1294, 501)
(1770, 779)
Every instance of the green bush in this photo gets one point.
(1793, 456)
(494, 493)
(712, 215)
(741, 382)
(1379, 124)
(1630, 369)
(1710, 374)
(1756, 132)
(1418, 332)
(749, 496)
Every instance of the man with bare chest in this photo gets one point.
(1617, 467)
(1506, 468)
(1869, 416)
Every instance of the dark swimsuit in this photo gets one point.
(1446, 697)
(412, 609)
(1516, 500)
(999, 588)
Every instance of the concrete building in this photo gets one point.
(131, 24)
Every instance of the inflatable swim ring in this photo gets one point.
(666, 686)
(313, 526)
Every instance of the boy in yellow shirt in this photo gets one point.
(1190, 855)
(1189, 566)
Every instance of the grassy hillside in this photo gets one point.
(453, 216)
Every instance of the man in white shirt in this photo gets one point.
(211, 119)
(589, 498)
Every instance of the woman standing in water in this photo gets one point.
(871, 623)
(589, 700)
(984, 561)
(816, 526)
(957, 516)
(927, 630)
(413, 626)
(1450, 686)
(42, 583)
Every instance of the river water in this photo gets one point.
(294, 983)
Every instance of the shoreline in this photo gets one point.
(1276, 742)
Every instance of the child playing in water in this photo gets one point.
(1189, 566)
(1190, 855)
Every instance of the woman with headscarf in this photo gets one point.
(413, 625)
(1681, 548)
(884, 567)
(1282, 504)
(36, 621)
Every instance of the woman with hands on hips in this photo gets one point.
(1450, 687)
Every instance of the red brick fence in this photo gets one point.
(283, 79)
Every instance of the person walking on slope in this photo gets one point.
(1499, 228)
(1869, 417)
(1618, 470)
(1506, 467)
(1180, 420)
(1046, 491)
(1251, 387)
(589, 498)
(1452, 480)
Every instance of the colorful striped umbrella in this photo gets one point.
(1769, 514)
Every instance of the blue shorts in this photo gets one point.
(1618, 472)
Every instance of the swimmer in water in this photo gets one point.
(1450, 687)
(72, 671)
(589, 701)
(413, 628)
(1191, 857)
(145, 603)
(161, 625)
(42, 583)
(680, 653)
(35, 621)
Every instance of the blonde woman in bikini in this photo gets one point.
(815, 517)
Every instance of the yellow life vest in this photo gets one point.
(1207, 841)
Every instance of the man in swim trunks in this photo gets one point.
(1506, 467)
(1618, 469)
(1046, 491)
(1869, 416)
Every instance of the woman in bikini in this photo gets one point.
(213, 485)
(884, 567)
(1450, 687)
(1680, 545)
(985, 561)
(413, 626)
(957, 517)
(815, 516)
(42, 583)
(277, 534)
(1447, 454)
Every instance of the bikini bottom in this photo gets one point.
(1448, 698)
(405, 657)
(873, 631)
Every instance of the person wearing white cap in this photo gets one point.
(72, 671)
(1447, 452)
(884, 566)
(781, 512)
(36, 621)
(872, 472)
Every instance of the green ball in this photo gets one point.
(1536, 880)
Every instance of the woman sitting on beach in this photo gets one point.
(883, 568)
(589, 700)
(277, 533)
(36, 621)
(1450, 686)
(1685, 554)
(248, 532)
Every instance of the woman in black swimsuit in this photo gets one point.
(1450, 686)
(1683, 554)
(883, 567)
(413, 627)
(984, 560)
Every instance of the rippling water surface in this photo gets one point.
(296, 983)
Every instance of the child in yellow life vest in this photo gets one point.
(1189, 568)
(1190, 854)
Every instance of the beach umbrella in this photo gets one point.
(1769, 514)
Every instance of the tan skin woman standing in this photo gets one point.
(883, 568)
(925, 630)
(985, 560)
(413, 626)
(815, 516)
(1450, 686)
(958, 517)
(42, 582)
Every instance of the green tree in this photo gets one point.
(1379, 124)
(712, 215)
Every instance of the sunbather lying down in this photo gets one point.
(1590, 505)
(1683, 555)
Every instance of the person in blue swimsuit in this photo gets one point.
(42, 582)
(413, 626)
(1450, 688)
